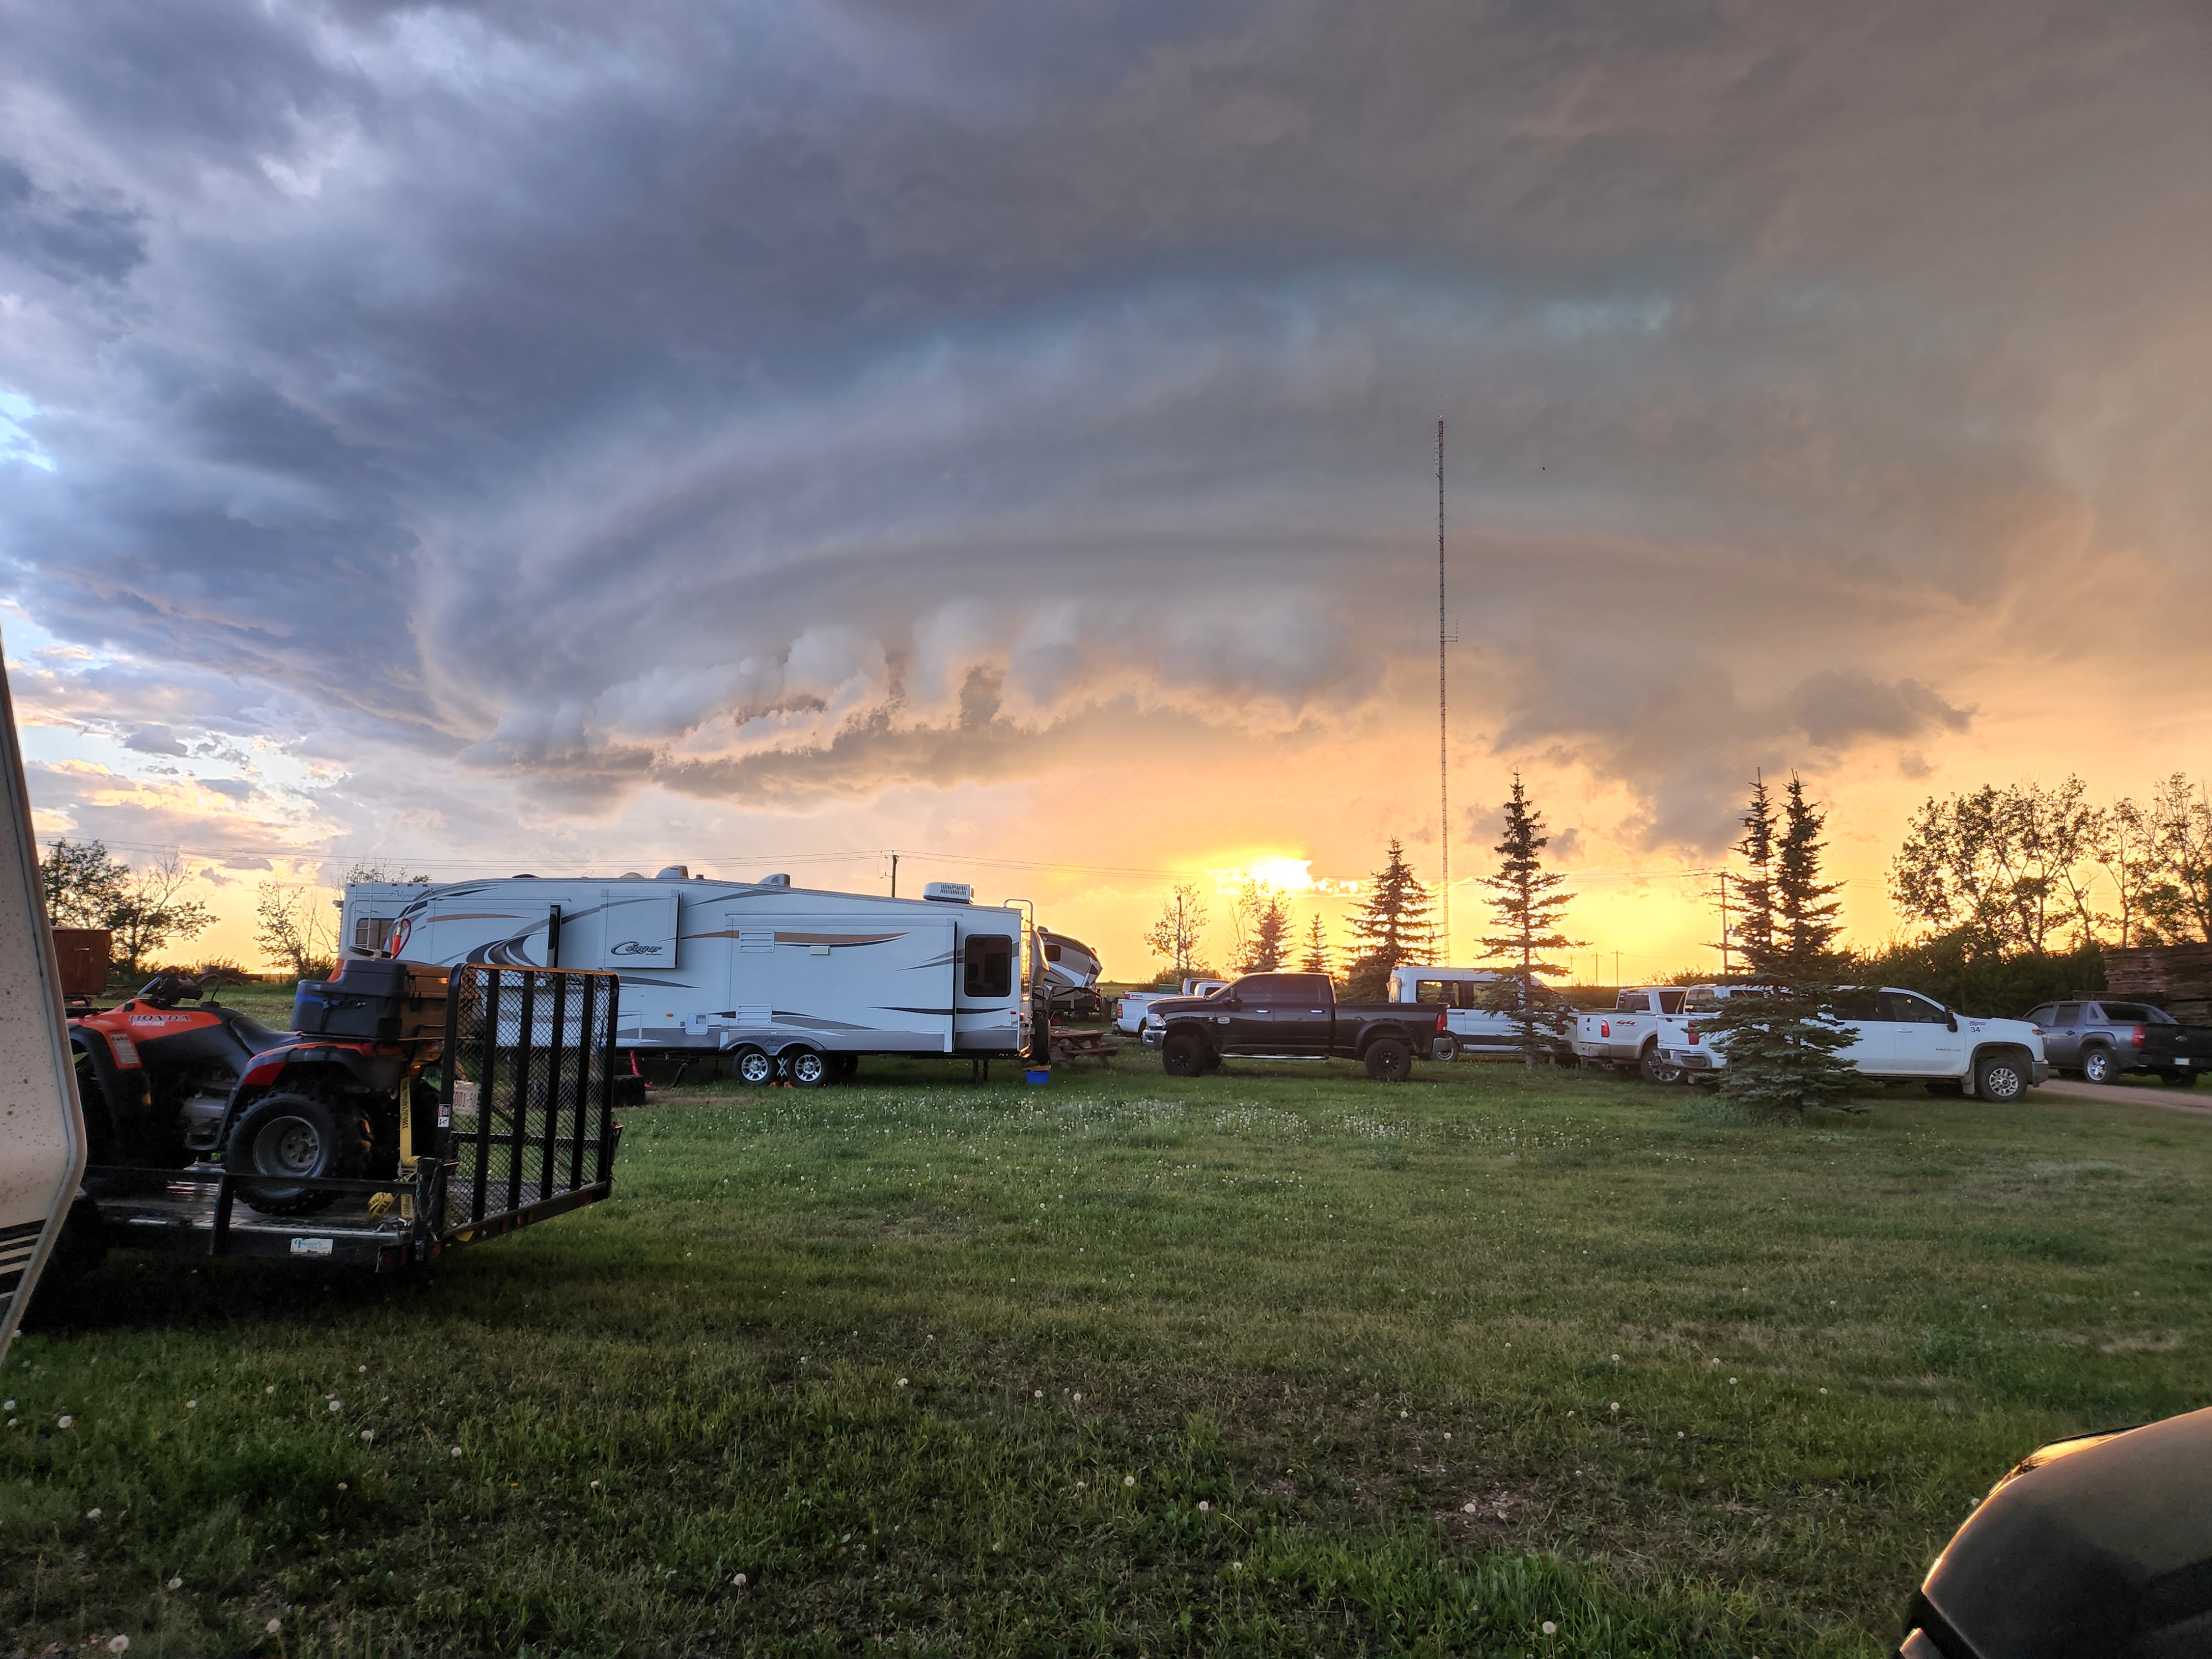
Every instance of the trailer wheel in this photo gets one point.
(1390, 1060)
(807, 1068)
(752, 1066)
(292, 1133)
(1445, 1048)
(1183, 1055)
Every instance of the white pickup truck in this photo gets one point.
(1902, 1036)
(1628, 1033)
(1129, 1011)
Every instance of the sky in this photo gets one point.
(562, 437)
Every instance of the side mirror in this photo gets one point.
(1950, 1019)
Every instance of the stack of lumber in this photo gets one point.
(2176, 977)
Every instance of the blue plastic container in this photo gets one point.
(1040, 1074)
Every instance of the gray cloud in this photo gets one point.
(567, 400)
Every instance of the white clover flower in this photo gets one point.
(1823, 1391)
(274, 1626)
(739, 1581)
(1036, 1393)
(334, 1404)
(457, 1451)
(368, 1434)
(1128, 1480)
(118, 1644)
(1236, 1566)
(176, 1583)
(1078, 1400)
(1550, 1629)
(192, 1405)
(65, 1421)
(1616, 1404)
(7, 1405)
(1204, 1508)
(1731, 1382)
(92, 1515)
(901, 1382)
(272, 1388)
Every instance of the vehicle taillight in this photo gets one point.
(2136, 1037)
(1440, 1019)
(1691, 1028)
(1605, 1027)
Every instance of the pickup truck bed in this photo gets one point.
(1289, 1017)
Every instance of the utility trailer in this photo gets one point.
(524, 1130)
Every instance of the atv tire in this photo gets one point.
(292, 1133)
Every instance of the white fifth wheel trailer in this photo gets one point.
(784, 979)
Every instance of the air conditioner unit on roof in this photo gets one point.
(949, 892)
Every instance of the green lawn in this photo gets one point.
(1274, 1361)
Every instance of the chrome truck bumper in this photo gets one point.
(1692, 1060)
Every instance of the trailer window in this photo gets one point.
(370, 932)
(987, 966)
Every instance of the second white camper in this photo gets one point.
(789, 980)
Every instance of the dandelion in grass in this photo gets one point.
(739, 1581)
(92, 1515)
(368, 1434)
(1036, 1393)
(1731, 1382)
(1236, 1566)
(118, 1644)
(192, 1405)
(65, 1421)
(1550, 1629)
(1204, 1508)
(901, 1382)
(1078, 1400)
(274, 1626)
(176, 1583)
(272, 1388)
(334, 1404)
(1128, 1480)
(7, 1405)
(457, 1451)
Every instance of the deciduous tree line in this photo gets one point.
(2023, 867)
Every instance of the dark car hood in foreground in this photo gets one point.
(2096, 1547)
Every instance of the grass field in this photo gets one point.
(1274, 1361)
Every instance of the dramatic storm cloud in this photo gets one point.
(486, 432)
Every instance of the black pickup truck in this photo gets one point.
(1289, 1017)
(2100, 1040)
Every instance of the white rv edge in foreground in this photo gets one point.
(762, 970)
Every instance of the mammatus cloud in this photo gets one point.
(455, 415)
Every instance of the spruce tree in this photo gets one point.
(1315, 959)
(1784, 1040)
(1526, 907)
(1753, 932)
(1391, 927)
(1804, 905)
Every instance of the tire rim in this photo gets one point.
(2098, 1069)
(807, 1068)
(288, 1146)
(2004, 1082)
(754, 1067)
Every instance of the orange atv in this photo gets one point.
(164, 1087)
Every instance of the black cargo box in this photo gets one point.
(389, 1002)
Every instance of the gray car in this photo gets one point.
(2099, 1040)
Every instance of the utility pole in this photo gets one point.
(1444, 712)
(1724, 933)
(1616, 968)
(895, 875)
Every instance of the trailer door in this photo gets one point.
(845, 984)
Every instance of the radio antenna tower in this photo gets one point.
(1444, 637)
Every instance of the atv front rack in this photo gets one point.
(525, 1131)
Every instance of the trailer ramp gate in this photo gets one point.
(525, 1130)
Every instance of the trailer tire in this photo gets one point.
(292, 1132)
(1390, 1060)
(1655, 1070)
(2100, 1065)
(2002, 1076)
(752, 1066)
(806, 1068)
(1184, 1055)
(1445, 1049)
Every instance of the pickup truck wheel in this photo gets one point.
(1390, 1060)
(2000, 1077)
(1656, 1070)
(1445, 1048)
(1183, 1055)
(2100, 1066)
(2178, 1079)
